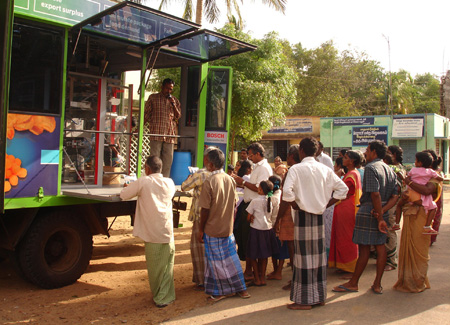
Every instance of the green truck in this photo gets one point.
(71, 129)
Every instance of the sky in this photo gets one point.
(418, 31)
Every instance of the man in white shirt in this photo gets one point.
(154, 225)
(308, 187)
(261, 172)
(323, 157)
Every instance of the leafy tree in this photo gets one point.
(427, 97)
(334, 84)
(403, 92)
(263, 85)
(211, 9)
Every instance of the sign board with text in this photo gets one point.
(294, 125)
(407, 127)
(65, 11)
(353, 121)
(361, 136)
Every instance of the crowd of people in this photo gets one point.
(313, 213)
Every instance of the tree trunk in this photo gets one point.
(199, 12)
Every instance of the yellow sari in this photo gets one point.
(413, 254)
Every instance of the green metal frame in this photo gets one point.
(7, 14)
(205, 69)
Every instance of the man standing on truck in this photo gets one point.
(162, 112)
(154, 224)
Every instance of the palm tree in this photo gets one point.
(212, 11)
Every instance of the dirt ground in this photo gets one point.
(113, 290)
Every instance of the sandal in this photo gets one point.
(244, 294)
(216, 298)
(377, 292)
(429, 231)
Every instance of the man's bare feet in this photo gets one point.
(299, 307)
(287, 286)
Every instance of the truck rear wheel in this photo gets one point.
(55, 251)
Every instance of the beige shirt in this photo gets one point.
(153, 220)
(219, 196)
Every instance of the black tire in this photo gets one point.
(55, 251)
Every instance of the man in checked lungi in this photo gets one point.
(308, 187)
(379, 195)
(195, 182)
(223, 275)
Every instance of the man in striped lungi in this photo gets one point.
(223, 274)
(308, 187)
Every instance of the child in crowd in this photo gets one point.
(339, 168)
(245, 169)
(421, 174)
(230, 169)
(261, 239)
(277, 259)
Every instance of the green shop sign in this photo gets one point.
(69, 12)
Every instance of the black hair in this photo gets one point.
(388, 159)
(266, 187)
(425, 158)
(216, 157)
(320, 145)
(309, 145)
(256, 148)
(354, 156)
(340, 163)
(230, 167)
(437, 160)
(293, 151)
(379, 147)
(154, 163)
(343, 151)
(243, 149)
(397, 152)
(168, 81)
(276, 181)
(245, 164)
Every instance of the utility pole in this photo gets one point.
(390, 75)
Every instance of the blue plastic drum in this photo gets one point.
(180, 171)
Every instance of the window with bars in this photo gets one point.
(409, 150)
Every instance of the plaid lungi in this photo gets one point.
(197, 255)
(309, 280)
(366, 227)
(223, 274)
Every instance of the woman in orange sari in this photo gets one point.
(343, 252)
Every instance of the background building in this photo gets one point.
(413, 133)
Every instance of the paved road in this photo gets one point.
(268, 304)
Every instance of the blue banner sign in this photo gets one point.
(65, 11)
(361, 136)
(353, 121)
(294, 125)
